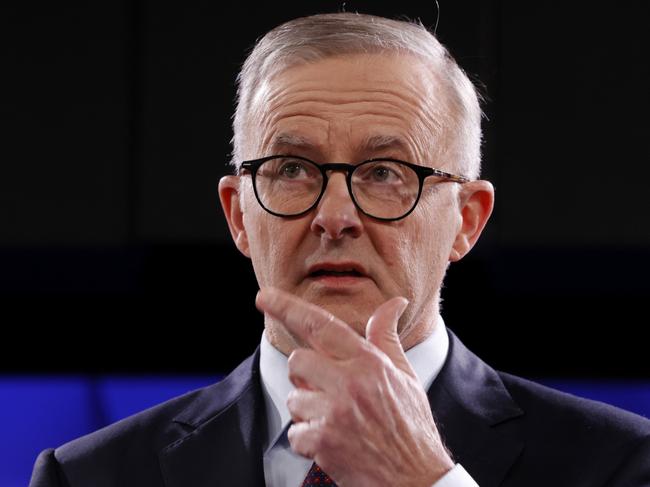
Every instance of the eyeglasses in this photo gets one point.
(385, 189)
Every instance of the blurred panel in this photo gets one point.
(186, 93)
(573, 103)
(65, 126)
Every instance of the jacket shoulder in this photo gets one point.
(546, 404)
(152, 423)
(127, 451)
(574, 436)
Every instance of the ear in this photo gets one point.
(476, 201)
(229, 195)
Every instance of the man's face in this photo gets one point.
(331, 107)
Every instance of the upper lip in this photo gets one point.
(338, 267)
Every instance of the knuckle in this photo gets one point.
(356, 391)
(318, 324)
(292, 400)
(374, 361)
(295, 378)
(296, 357)
(368, 382)
(296, 440)
(312, 326)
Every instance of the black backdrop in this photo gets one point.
(114, 256)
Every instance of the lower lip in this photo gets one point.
(339, 281)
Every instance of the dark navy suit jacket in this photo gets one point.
(504, 430)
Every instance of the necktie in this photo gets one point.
(317, 478)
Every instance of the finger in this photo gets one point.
(310, 324)
(307, 405)
(309, 369)
(381, 331)
(305, 437)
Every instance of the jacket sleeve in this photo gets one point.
(635, 470)
(47, 472)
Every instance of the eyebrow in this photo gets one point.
(372, 143)
(292, 140)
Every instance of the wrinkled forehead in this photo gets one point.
(386, 100)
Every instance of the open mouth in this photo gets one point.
(338, 274)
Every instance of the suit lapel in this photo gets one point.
(472, 407)
(223, 429)
(223, 434)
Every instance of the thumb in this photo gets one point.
(381, 331)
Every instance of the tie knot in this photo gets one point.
(316, 477)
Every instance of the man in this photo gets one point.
(357, 148)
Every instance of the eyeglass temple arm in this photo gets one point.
(451, 177)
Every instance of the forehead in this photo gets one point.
(374, 101)
(369, 142)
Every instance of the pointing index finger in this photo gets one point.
(310, 324)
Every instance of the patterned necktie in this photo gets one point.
(317, 478)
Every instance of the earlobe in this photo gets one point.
(230, 202)
(476, 204)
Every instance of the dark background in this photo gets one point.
(114, 254)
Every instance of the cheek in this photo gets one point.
(426, 242)
(401, 250)
(258, 229)
(436, 222)
(273, 244)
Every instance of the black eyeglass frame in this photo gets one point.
(422, 172)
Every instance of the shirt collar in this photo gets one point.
(426, 358)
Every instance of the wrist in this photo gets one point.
(439, 469)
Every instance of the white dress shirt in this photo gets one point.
(285, 468)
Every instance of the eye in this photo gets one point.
(292, 169)
(382, 173)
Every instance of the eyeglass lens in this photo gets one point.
(290, 186)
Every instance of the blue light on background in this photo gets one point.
(631, 395)
(44, 412)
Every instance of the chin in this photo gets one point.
(349, 310)
(359, 327)
(355, 322)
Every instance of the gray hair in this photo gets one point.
(310, 39)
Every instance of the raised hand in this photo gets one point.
(359, 410)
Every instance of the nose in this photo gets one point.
(336, 215)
